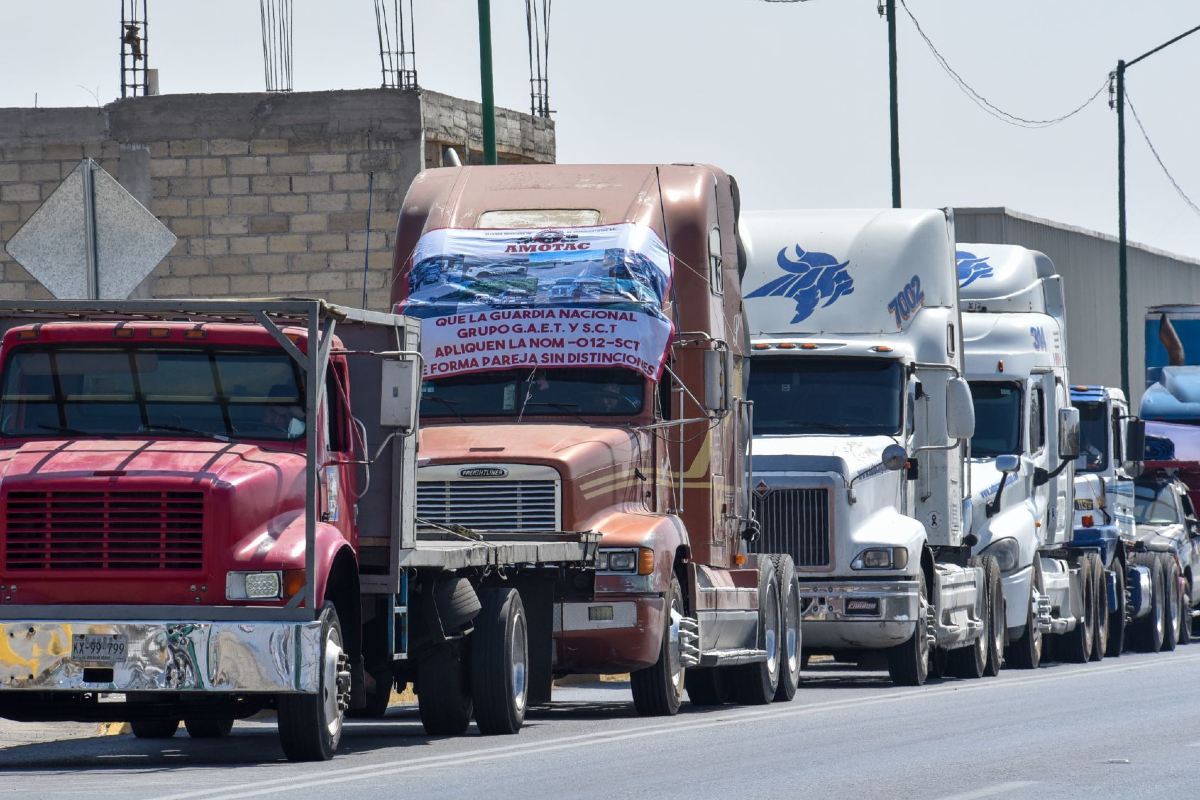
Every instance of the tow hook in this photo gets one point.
(343, 682)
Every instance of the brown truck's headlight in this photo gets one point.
(625, 559)
(253, 585)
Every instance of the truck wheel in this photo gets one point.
(1116, 619)
(377, 701)
(1172, 602)
(1100, 615)
(756, 684)
(208, 728)
(971, 661)
(1185, 621)
(500, 662)
(1077, 644)
(708, 687)
(939, 659)
(789, 640)
(997, 619)
(310, 725)
(908, 663)
(154, 728)
(443, 694)
(1026, 652)
(658, 689)
(1146, 634)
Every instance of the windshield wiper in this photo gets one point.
(450, 404)
(181, 429)
(72, 431)
(567, 407)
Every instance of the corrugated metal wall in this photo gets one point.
(1088, 263)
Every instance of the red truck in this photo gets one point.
(207, 510)
(615, 406)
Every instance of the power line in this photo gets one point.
(983, 102)
(1150, 144)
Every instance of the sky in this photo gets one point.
(791, 98)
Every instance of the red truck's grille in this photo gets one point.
(104, 530)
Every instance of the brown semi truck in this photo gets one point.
(584, 372)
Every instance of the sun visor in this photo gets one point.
(588, 296)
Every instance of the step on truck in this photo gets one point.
(617, 406)
(1023, 454)
(861, 425)
(1111, 444)
(207, 509)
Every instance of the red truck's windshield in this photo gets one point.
(535, 393)
(103, 391)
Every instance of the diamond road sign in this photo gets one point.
(91, 239)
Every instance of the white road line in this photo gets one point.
(739, 716)
(990, 791)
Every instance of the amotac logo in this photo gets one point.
(971, 268)
(810, 278)
(483, 472)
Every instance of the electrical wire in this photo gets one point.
(983, 102)
(1157, 157)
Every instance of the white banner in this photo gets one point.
(559, 297)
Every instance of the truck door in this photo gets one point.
(1062, 486)
(339, 479)
(1039, 451)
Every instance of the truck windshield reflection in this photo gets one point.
(523, 393)
(180, 392)
(997, 419)
(818, 394)
(1093, 437)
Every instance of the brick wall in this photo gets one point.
(270, 195)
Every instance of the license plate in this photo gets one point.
(863, 607)
(104, 648)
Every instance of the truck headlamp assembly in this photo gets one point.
(625, 559)
(1006, 552)
(881, 558)
(253, 585)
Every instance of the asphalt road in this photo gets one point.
(1127, 727)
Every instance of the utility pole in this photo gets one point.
(1123, 257)
(485, 77)
(895, 102)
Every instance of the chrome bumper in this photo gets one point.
(164, 657)
(860, 615)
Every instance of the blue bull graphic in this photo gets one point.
(812, 277)
(971, 268)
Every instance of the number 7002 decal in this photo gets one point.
(909, 299)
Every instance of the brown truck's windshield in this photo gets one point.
(535, 393)
(201, 392)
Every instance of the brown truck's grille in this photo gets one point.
(489, 505)
(104, 530)
(796, 522)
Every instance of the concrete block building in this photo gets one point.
(269, 194)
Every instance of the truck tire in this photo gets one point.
(908, 663)
(939, 658)
(997, 619)
(971, 662)
(443, 691)
(658, 689)
(310, 725)
(500, 662)
(1100, 615)
(756, 684)
(1185, 622)
(1146, 634)
(708, 687)
(1076, 646)
(1026, 652)
(1116, 619)
(789, 640)
(1172, 602)
(378, 700)
(154, 728)
(208, 728)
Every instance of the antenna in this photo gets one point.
(277, 44)
(537, 25)
(397, 44)
(135, 49)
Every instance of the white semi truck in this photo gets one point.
(861, 426)
(1026, 440)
